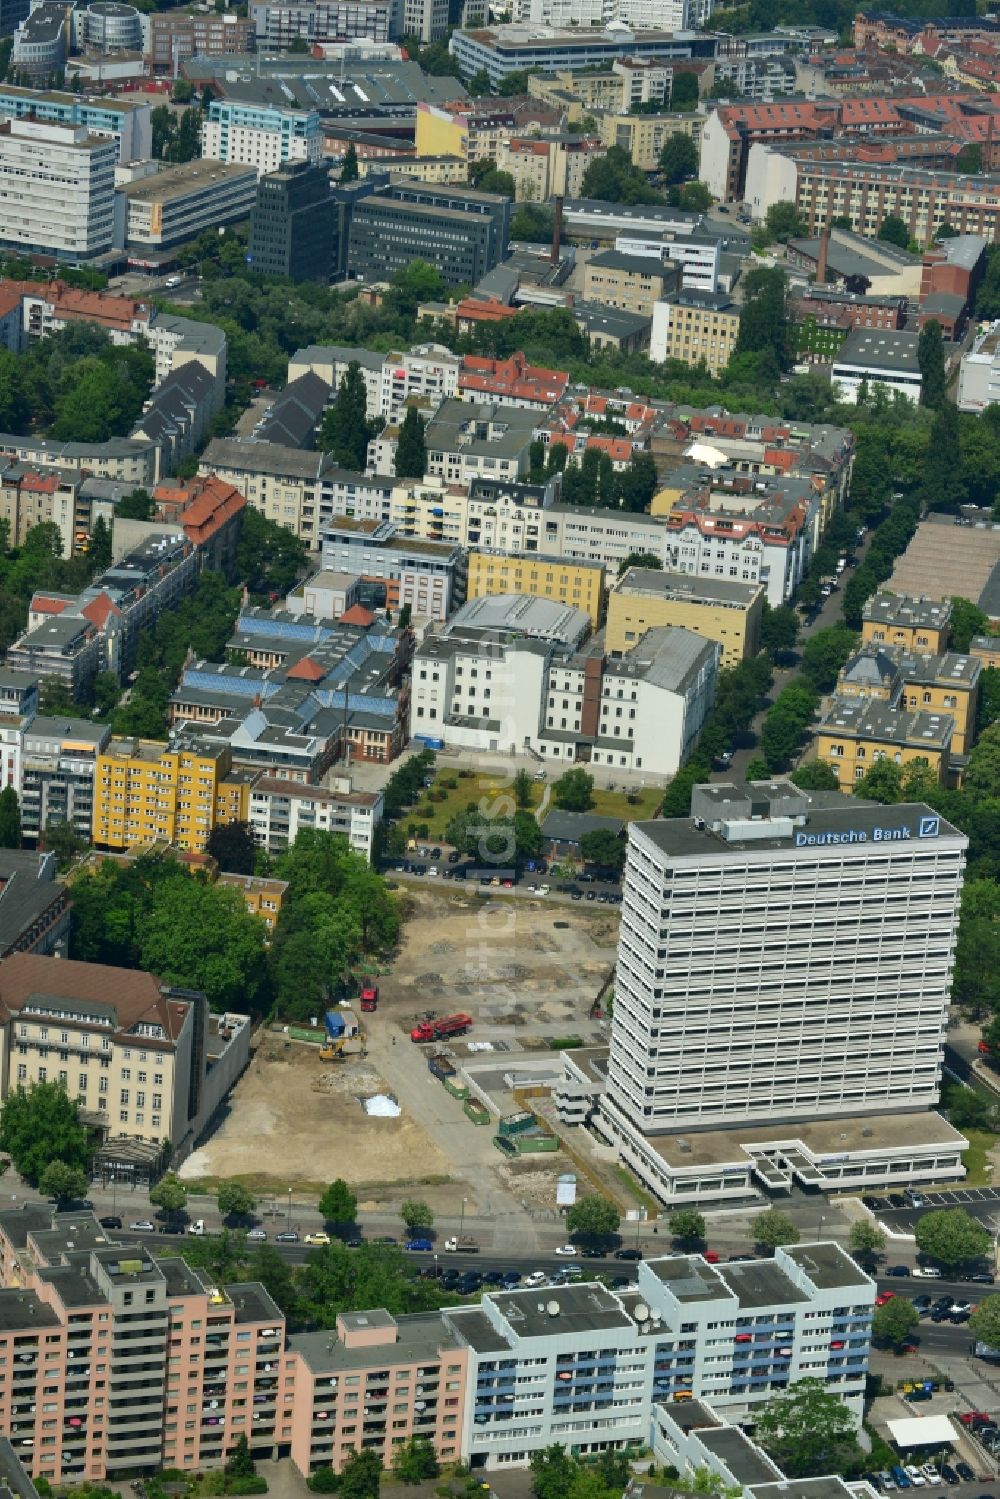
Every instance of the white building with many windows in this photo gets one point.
(57, 189)
(782, 991)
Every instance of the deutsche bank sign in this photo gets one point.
(927, 827)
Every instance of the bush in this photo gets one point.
(323, 1481)
(253, 1484)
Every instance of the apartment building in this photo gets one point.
(644, 136)
(58, 765)
(133, 1052)
(426, 576)
(34, 905)
(145, 791)
(18, 706)
(172, 36)
(579, 584)
(427, 374)
(263, 136)
(511, 382)
(467, 441)
(133, 461)
(58, 186)
(472, 129)
(280, 809)
(822, 875)
(720, 609)
(126, 121)
(947, 684)
(761, 531)
(282, 482)
(696, 327)
(547, 166)
(177, 203)
(635, 283)
(855, 734)
(912, 624)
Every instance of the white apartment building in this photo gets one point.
(260, 135)
(427, 19)
(57, 189)
(698, 255)
(427, 373)
(642, 15)
(586, 1367)
(606, 536)
(766, 543)
(279, 809)
(979, 372)
(784, 959)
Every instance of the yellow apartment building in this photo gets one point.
(696, 327)
(716, 608)
(856, 733)
(947, 684)
(568, 581)
(644, 136)
(144, 790)
(986, 650)
(914, 624)
(635, 283)
(263, 897)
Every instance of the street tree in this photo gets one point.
(170, 1194)
(574, 790)
(593, 1217)
(779, 630)
(952, 1237)
(64, 1183)
(825, 653)
(687, 1226)
(41, 1124)
(234, 1199)
(772, 1228)
(894, 1322)
(416, 1214)
(866, 1238)
(984, 1323)
(808, 1431)
(338, 1203)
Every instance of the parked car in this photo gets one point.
(142, 1226)
(419, 1246)
(964, 1472)
(287, 1236)
(319, 1238)
(927, 1272)
(536, 1278)
(256, 1234)
(948, 1473)
(898, 1270)
(628, 1254)
(111, 1221)
(567, 1251)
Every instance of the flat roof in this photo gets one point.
(744, 1461)
(688, 588)
(564, 1309)
(922, 1431)
(419, 1338)
(827, 1265)
(178, 181)
(822, 1138)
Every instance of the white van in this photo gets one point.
(197, 1227)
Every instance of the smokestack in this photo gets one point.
(557, 230)
(824, 255)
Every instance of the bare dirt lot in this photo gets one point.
(294, 1120)
(510, 962)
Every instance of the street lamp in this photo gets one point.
(289, 1217)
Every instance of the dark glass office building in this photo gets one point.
(293, 224)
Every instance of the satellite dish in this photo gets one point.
(641, 1312)
(552, 1307)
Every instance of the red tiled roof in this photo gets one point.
(306, 670)
(42, 604)
(135, 996)
(98, 610)
(358, 615)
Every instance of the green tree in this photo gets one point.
(269, 559)
(41, 1124)
(415, 1461)
(779, 630)
(678, 158)
(941, 486)
(604, 848)
(10, 818)
(952, 1237)
(239, 1462)
(529, 839)
(349, 169)
(416, 1214)
(687, 1226)
(344, 430)
(684, 93)
(783, 222)
(984, 1324)
(866, 1238)
(234, 847)
(970, 161)
(411, 449)
(815, 775)
(523, 789)
(202, 936)
(772, 1228)
(170, 1194)
(574, 790)
(593, 1217)
(967, 620)
(136, 505)
(415, 283)
(825, 653)
(763, 327)
(893, 231)
(808, 1430)
(107, 692)
(930, 357)
(893, 1323)
(338, 1203)
(323, 1481)
(63, 840)
(99, 551)
(234, 1200)
(361, 1475)
(552, 1472)
(639, 559)
(64, 1183)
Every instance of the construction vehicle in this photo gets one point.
(461, 1245)
(369, 996)
(344, 1037)
(437, 1030)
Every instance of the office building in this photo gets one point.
(718, 608)
(870, 358)
(275, 24)
(178, 202)
(634, 283)
(126, 120)
(427, 19)
(292, 224)
(42, 41)
(145, 791)
(461, 232)
(57, 188)
(696, 327)
(174, 35)
(426, 576)
(579, 584)
(505, 49)
(243, 133)
(111, 26)
(736, 1054)
(58, 764)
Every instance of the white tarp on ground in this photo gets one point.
(921, 1431)
(382, 1106)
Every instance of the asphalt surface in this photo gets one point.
(982, 1203)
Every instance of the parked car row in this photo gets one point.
(910, 1476)
(945, 1309)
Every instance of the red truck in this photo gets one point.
(369, 996)
(437, 1030)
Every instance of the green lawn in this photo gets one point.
(975, 1159)
(493, 793)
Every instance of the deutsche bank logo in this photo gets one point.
(929, 827)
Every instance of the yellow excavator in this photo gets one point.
(344, 1036)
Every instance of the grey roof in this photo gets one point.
(66, 728)
(880, 348)
(827, 1265)
(965, 250)
(596, 318)
(862, 718)
(582, 1308)
(423, 1337)
(293, 417)
(250, 456)
(636, 265)
(667, 656)
(570, 827)
(907, 610)
(710, 301)
(361, 90)
(513, 614)
(688, 588)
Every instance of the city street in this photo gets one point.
(982, 1203)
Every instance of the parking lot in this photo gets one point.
(982, 1203)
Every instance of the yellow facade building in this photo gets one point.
(945, 684)
(144, 791)
(644, 136)
(263, 897)
(696, 327)
(914, 624)
(857, 733)
(568, 581)
(986, 650)
(644, 599)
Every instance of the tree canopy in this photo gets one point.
(952, 1237)
(40, 1125)
(808, 1430)
(593, 1217)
